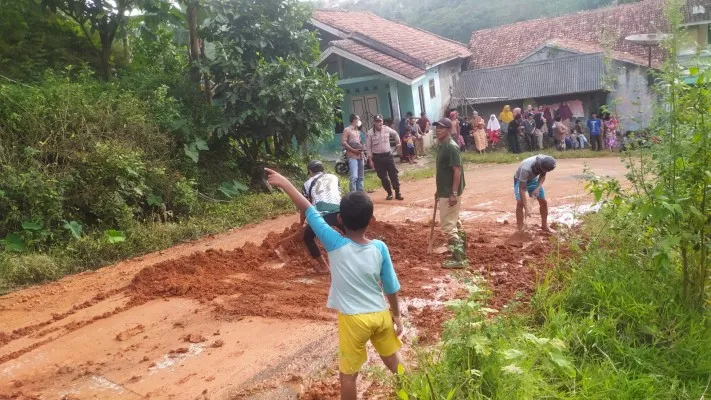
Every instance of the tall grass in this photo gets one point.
(605, 324)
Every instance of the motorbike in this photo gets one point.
(342, 167)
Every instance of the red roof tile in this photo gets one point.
(507, 44)
(398, 66)
(424, 46)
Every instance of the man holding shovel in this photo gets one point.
(529, 177)
(324, 193)
(450, 184)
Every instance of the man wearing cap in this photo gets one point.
(529, 177)
(450, 184)
(324, 193)
(377, 143)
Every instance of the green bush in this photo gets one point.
(26, 269)
(28, 196)
(88, 152)
(605, 324)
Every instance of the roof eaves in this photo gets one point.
(328, 28)
(446, 60)
(366, 63)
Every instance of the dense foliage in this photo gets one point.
(117, 115)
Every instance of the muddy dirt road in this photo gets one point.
(223, 317)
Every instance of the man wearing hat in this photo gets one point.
(324, 193)
(529, 177)
(450, 184)
(377, 143)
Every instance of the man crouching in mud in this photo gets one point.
(529, 177)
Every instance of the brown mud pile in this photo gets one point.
(254, 281)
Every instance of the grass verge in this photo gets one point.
(605, 324)
(506, 158)
(93, 250)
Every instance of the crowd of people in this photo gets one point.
(533, 128)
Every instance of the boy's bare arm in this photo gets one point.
(395, 311)
(276, 179)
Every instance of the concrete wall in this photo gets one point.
(631, 98)
(447, 79)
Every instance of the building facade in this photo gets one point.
(386, 67)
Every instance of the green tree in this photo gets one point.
(266, 87)
(101, 17)
(32, 41)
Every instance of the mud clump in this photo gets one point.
(129, 333)
(429, 322)
(193, 338)
(322, 391)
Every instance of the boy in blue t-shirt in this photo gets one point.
(595, 129)
(359, 267)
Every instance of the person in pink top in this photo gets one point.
(611, 123)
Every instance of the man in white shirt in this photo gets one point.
(323, 192)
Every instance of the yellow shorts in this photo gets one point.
(354, 331)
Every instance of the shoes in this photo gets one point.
(457, 246)
(390, 196)
(398, 196)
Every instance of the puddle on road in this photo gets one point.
(570, 214)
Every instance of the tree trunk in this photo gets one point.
(194, 41)
(105, 61)
(206, 77)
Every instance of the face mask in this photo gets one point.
(359, 123)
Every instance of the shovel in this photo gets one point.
(280, 243)
(434, 215)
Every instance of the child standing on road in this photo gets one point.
(359, 267)
(409, 151)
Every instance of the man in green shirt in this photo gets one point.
(450, 184)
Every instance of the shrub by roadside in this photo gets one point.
(604, 324)
(94, 249)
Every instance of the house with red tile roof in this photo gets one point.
(584, 58)
(387, 67)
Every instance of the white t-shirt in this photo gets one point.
(325, 194)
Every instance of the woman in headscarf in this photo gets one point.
(479, 135)
(505, 117)
(493, 130)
